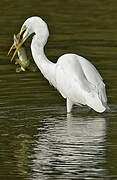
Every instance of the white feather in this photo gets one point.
(75, 77)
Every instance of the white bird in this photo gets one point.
(73, 76)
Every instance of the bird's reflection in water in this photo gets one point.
(71, 148)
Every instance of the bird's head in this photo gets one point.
(32, 25)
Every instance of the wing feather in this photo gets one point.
(78, 80)
(94, 78)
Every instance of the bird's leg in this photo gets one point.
(69, 105)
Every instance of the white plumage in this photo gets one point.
(74, 77)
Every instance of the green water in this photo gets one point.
(38, 140)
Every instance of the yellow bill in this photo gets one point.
(12, 47)
(17, 48)
(19, 44)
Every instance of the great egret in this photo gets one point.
(73, 76)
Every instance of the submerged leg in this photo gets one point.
(69, 105)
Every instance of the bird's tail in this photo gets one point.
(93, 101)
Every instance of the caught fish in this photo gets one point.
(22, 61)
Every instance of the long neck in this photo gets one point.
(46, 67)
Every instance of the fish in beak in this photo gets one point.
(17, 48)
(21, 38)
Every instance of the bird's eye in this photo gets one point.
(21, 35)
(22, 31)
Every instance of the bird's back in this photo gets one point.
(78, 80)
